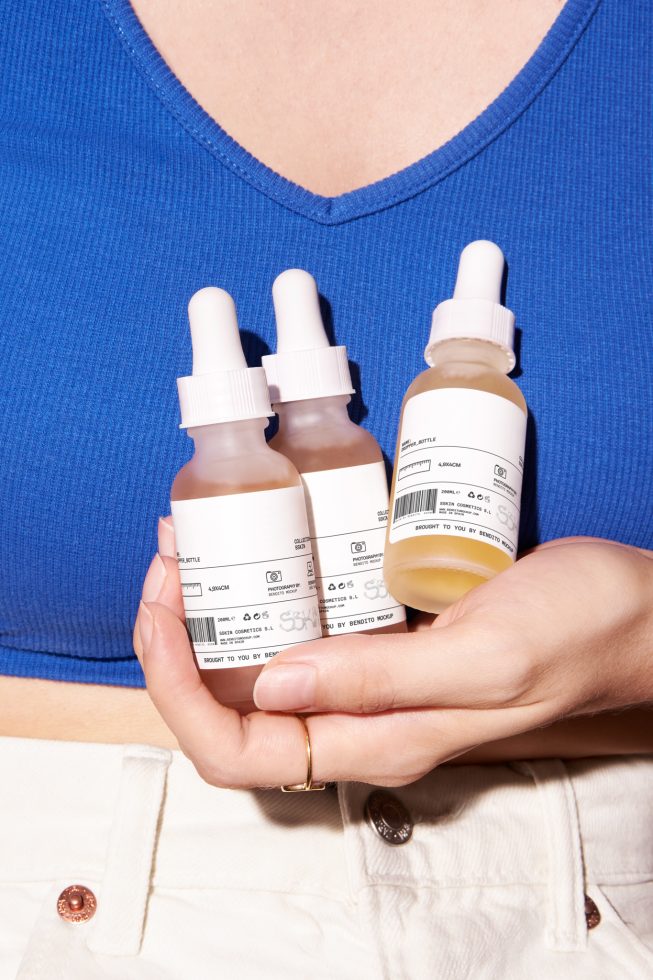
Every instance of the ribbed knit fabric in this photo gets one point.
(119, 197)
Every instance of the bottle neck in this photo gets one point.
(470, 351)
(226, 440)
(323, 412)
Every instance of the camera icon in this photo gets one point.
(358, 547)
(501, 471)
(274, 576)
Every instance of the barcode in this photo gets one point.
(201, 629)
(418, 502)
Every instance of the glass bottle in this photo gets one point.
(456, 489)
(239, 515)
(340, 463)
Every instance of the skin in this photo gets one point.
(335, 94)
(565, 633)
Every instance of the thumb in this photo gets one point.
(464, 664)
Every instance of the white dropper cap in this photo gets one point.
(475, 312)
(221, 388)
(305, 365)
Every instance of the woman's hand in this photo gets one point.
(566, 631)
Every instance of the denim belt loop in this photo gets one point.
(125, 889)
(566, 929)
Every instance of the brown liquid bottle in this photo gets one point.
(239, 515)
(341, 465)
(456, 489)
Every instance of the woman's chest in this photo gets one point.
(335, 95)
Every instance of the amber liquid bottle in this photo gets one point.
(239, 515)
(341, 465)
(456, 489)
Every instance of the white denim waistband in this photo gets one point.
(130, 819)
(472, 824)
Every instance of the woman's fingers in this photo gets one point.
(265, 749)
(154, 579)
(460, 665)
(511, 656)
(161, 585)
(170, 592)
(227, 749)
(166, 535)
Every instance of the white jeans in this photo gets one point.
(194, 882)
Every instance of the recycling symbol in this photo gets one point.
(332, 587)
(246, 617)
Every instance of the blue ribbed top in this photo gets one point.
(120, 197)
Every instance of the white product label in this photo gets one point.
(460, 467)
(348, 515)
(247, 575)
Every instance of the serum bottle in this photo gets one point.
(457, 480)
(341, 465)
(239, 514)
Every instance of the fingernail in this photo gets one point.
(166, 533)
(154, 579)
(288, 686)
(145, 626)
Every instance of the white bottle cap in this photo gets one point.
(475, 312)
(221, 388)
(305, 365)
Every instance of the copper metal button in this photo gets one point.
(76, 904)
(592, 914)
(389, 817)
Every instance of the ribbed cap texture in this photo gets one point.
(470, 319)
(228, 396)
(302, 374)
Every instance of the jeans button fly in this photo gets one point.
(592, 914)
(389, 817)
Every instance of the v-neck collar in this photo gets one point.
(405, 183)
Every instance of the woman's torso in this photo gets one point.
(124, 197)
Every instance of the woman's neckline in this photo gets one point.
(389, 191)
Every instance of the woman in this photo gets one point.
(124, 195)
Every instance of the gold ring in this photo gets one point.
(308, 785)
